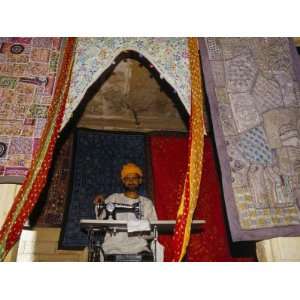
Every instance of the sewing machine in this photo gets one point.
(112, 208)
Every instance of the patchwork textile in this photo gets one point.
(254, 96)
(28, 73)
(97, 164)
(94, 55)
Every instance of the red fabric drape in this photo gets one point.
(169, 163)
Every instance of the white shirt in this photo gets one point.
(121, 243)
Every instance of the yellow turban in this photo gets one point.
(131, 168)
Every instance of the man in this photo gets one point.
(122, 242)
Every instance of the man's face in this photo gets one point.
(132, 182)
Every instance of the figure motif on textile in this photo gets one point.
(253, 90)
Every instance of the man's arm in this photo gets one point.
(149, 211)
(99, 199)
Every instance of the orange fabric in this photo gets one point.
(196, 142)
(131, 168)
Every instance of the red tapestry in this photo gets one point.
(169, 162)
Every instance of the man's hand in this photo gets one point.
(98, 199)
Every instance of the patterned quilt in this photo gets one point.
(28, 70)
(254, 96)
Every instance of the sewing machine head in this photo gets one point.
(111, 209)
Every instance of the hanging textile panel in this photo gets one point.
(94, 55)
(254, 96)
(169, 164)
(36, 178)
(28, 73)
(190, 193)
(97, 164)
(50, 208)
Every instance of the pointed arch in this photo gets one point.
(96, 85)
(96, 56)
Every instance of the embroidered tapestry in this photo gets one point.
(94, 55)
(254, 96)
(98, 159)
(28, 72)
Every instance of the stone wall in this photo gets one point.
(7, 196)
(41, 244)
(279, 249)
